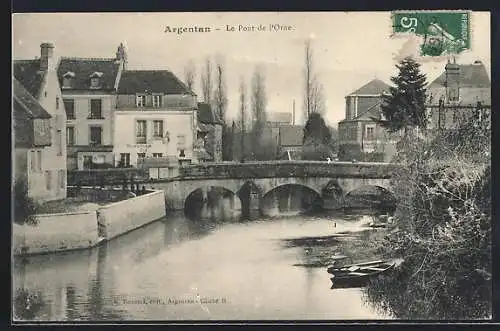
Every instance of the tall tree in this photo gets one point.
(220, 97)
(259, 104)
(189, 74)
(404, 106)
(206, 81)
(242, 115)
(313, 89)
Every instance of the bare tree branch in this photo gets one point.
(314, 101)
(189, 74)
(220, 97)
(206, 81)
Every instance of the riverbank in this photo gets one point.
(84, 229)
(355, 245)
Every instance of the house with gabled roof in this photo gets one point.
(155, 117)
(89, 88)
(461, 91)
(363, 108)
(39, 126)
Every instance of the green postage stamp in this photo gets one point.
(443, 32)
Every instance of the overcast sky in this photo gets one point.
(350, 48)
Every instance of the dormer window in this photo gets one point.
(140, 100)
(95, 80)
(68, 79)
(157, 100)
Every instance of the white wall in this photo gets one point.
(174, 122)
(56, 232)
(52, 161)
(123, 216)
(81, 122)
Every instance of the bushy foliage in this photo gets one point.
(316, 151)
(443, 228)
(25, 207)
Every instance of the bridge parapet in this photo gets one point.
(272, 169)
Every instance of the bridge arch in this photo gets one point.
(211, 201)
(370, 194)
(291, 194)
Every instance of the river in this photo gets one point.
(178, 269)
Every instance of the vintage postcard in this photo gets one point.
(329, 166)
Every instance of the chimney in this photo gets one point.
(452, 80)
(46, 56)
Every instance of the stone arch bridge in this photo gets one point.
(317, 176)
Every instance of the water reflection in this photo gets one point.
(249, 263)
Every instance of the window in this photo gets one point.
(70, 135)
(59, 142)
(87, 162)
(48, 180)
(158, 129)
(36, 161)
(61, 177)
(125, 159)
(370, 133)
(33, 161)
(57, 102)
(95, 82)
(157, 100)
(69, 106)
(181, 140)
(140, 132)
(95, 109)
(95, 135)
(68, 79)
(140, 100)
(181, 153)
(39, 160)
(67, 82)
(157, 154)
(141, 155)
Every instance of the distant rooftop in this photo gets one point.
(471, 76)
(291, 135)
(375, 86)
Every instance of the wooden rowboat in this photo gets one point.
(357, 275)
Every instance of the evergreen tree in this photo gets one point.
(317, 138)
(317, 130)
(404, 107)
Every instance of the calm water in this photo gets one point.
(176, 269)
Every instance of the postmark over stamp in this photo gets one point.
(442, 32)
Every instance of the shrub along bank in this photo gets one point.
(444, 228)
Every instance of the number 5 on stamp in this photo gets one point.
(443, 32)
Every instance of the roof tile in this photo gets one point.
(155, 81)
(83, 68)
(28, 73)
(375, 86)
(471, 75)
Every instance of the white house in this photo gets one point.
(42, 154)
(155, 118)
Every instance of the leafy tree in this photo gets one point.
(404, 106)
(25, 207)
